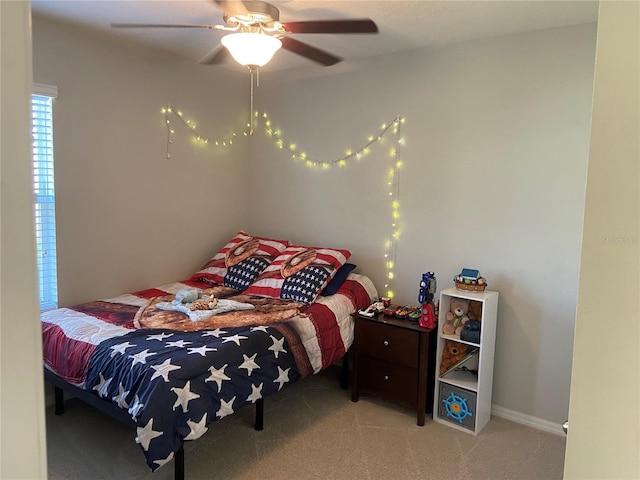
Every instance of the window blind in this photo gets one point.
(43, 184)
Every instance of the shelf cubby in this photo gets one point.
(462, 399)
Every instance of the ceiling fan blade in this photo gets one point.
(215, 57)
(162, 25)
(363, 25)
(306, 50)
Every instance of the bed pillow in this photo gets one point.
(338, 279)
(299, 273)
(240, 261)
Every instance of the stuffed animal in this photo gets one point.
(196, 299)
(186, 295)
(209, 304)
(475, 310)
(456, 317)
(452, 353)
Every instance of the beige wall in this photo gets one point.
(413, 83)
(23, 448)
(495, 156)
(604, 419)
(127, 217)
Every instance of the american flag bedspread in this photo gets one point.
(174, 383)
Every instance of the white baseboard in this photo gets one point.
(535, 422)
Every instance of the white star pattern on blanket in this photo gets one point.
(226, 408)
(120, 398)
(163, 461)
(120, 348)
(256, 393)
(185, 395)
(197, 428)
(103, 386)
(140, 357)
(201, 350)
(213, 333)
(278, 346)
(163, 370)
(249, 363)
(160, 336)
(134, 409)
(234, 338)
(173, 384)
(166, 361)
(146, 434)
(283, 377)
(218, 376)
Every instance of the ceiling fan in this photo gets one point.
(256, 26)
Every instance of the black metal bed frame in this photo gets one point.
(122, 416)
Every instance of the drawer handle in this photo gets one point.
(386, 343)
(386, 377)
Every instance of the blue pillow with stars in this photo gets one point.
(303, 286)
(299, 273)
(243, 274)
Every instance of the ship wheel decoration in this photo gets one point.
(457, 407)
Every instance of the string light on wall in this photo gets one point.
(351, 154)
(168, 111)
(297, 154)
(394, 193)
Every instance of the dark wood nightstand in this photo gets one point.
(394, 359)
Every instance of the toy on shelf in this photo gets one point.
(452, 354)
(456, 317)
(428, 287)
(372, 310)
(470, 280)
(471, 332)
(456, 407)
(429, 313)
(390, 310)
(415, 314)
(405, 312)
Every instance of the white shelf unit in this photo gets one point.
(462, 400)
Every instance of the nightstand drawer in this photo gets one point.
(394, 382)
(388, 343)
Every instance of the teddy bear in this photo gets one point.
(452, 353)
(456, 317)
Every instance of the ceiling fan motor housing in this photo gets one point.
(263, 20)
(257, 13)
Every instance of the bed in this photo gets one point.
(172, 359)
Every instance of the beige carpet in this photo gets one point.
(312, 431)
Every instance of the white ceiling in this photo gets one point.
(403, 25)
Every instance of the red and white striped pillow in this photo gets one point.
(240, 261)
(299, 273)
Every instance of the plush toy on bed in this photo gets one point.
(456, 317)
(196, 299)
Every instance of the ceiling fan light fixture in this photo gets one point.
(251, 49)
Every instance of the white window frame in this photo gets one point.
(44, 197)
